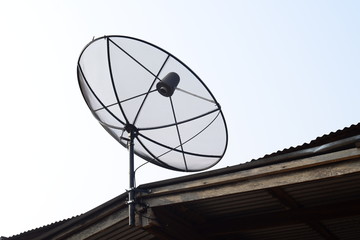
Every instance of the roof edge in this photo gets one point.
(341, 144)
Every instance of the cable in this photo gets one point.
(136, 170)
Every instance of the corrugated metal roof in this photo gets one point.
(351, 135)
(299, 212)
(243, 204)
(308, 194)
(298, 231)
(346, 132)
(317, 209)
(345, 228)
(120, 231)
(35, 232)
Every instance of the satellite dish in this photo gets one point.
(151, 102)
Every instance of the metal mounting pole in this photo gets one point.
(131, 201)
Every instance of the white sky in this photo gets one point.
(284, 72)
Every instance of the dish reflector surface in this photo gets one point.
(185, 131)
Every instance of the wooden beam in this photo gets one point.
(322, 230)
(289, 203)
(199, 190)
(257, 172)
(98, 226)
(283, 218)
(284, 198)
(159, 232)
(170, 223)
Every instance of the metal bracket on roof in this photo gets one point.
(140, 190)
(132, 202)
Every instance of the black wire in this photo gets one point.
(136, 170)
(145, 216)
(141, 166)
